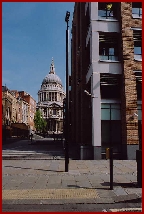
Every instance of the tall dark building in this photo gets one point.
(106, 78)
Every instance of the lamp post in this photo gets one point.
(67, 95)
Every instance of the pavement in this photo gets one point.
(43, 181)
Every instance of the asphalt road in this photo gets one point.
(38, 148)
(70, 207)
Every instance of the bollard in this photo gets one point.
(66, 156)
(111, 168)
(107, 153)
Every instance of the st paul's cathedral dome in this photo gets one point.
(50, 100)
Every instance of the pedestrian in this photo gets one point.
(31, 136)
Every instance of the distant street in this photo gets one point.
(39, 148)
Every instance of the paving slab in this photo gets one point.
(94, 175)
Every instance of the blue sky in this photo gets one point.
(33, 33)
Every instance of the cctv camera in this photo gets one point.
(87, 92)
(136, 114)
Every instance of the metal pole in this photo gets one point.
(67, 97)
(111, 154)
(111, 168)
(139, 160)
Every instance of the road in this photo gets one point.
(39, 148)
(71, 207)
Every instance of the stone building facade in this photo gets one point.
(17, 108)
(106, 86)
(29, 106)
(7, 106)
(50, 101)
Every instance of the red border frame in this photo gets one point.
(1, 66)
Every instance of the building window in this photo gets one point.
(111, 126)
(139, 107)
(108, 46)
(110, 85)
(107, 10)
(137, 35)
(54, 111)
(138, 75)
(137, 9)
(110, 111)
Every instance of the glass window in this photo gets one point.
(115, 106)
(102, 13)
(137, 9)
(107, 10)
(137, 50)
(111, 135)
(105, 132)
(104, 105)
(105, 114)
(115, 114)
(110, 112)
(137, 36)
(108, 46)
(111, 51)
(139, 112)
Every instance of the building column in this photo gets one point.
(96, 115)
(47, 113)
(57, 96)
(56, 126)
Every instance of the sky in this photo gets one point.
(33, 33)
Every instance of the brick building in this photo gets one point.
(106, 96)
(7, 102)
(17, 107)
(29, 108)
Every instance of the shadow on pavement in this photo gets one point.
(124, 185)
(81, 187)
(47, 170)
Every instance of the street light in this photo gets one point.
(67, 95)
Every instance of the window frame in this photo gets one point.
(110, 41)
(137, 43)
(137, 5)
(103, 6)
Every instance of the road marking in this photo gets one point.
(50, 194)
(126, 209)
